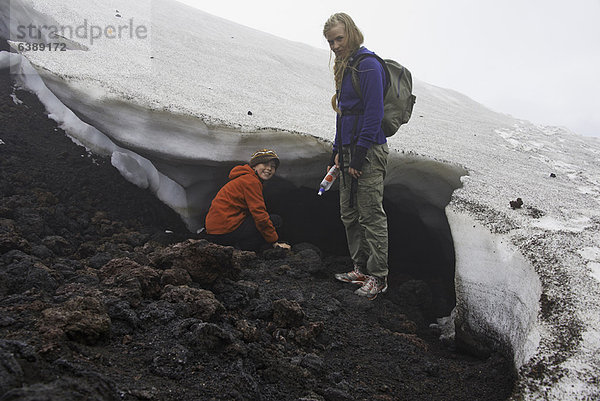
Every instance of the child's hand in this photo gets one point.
(282, 245)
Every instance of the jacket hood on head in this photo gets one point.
(238, 171)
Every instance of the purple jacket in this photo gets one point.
(368, 124)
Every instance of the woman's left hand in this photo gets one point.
(354, 173)
(282, 245)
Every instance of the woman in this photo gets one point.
(238, 215)
(360, 151)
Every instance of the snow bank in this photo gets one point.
(499, 288)
(132, 166)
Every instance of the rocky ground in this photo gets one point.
(104, 295)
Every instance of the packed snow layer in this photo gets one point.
(500, 288)
(172, 107)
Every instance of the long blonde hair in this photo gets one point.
(355, 40)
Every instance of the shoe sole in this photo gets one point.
(371, 297)
(350, 281)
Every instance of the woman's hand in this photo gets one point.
(281, 245)
(354, 173)
(336, 161)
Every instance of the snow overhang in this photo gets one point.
(185, 161)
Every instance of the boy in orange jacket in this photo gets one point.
(238, 215)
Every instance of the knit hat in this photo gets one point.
(264, 156)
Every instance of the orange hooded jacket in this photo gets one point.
(240, 197)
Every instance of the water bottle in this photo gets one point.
(332, 174)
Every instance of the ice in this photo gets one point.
(590, 253)
(501, 288)
(574, 225)
(132, 169)
(594, 270)
(15, 99)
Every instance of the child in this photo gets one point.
(238, 215)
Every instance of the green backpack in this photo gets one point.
(398, 100)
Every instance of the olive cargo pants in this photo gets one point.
(366, 222)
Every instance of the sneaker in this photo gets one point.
(372, 287)
(354, 276)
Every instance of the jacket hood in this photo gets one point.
(238, 171)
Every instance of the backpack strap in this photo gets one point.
(354, 70)
(354, 64)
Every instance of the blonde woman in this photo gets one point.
(360, 150)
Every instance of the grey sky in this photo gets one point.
(534, 59)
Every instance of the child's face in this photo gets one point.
(265, 170)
